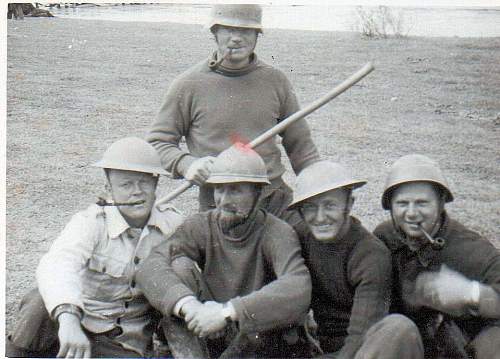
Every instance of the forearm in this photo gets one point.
(160, 284)
(299, 146)
(284, 301)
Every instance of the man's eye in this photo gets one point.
(308, 207)
(125, 185)
(331, 206)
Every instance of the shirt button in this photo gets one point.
(126, 304)
(132, 284)
(118, 320)
(136, 260)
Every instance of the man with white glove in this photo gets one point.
(447, 277)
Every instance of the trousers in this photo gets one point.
(394, 337)
(36, 334)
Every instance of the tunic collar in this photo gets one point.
(116, 224)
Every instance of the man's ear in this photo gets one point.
(350, 203)
(107, 188)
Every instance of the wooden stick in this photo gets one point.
(280, 127)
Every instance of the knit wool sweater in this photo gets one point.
(213, 109)
(262, 272)
(351, 280)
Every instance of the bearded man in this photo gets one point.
(231, 96)
(231, 281)
(447, 277)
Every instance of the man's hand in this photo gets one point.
(208, 320)
(199, 171)
(73, 341)
(447, 291)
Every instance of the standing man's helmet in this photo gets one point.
(320, 177)
(132, 154)
(237, 15)
(414, 168)
(238, 163)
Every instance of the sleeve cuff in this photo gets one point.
(180, 303)
(182, 165)
(174, 295)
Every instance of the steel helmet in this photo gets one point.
(132, 154)
(237, 15)
(238, 163)
(320, 177)
(414, 168)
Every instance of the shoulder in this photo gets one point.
(167, 218)
(92, 214)
(272, 72)
(467, 240)
(275, 224)
(387, 234)
(367, 244)
(190, 77)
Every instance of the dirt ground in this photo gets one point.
(75, 86)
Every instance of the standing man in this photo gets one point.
(90, 305)
(231, 281)
(232, 96)
(350, 271)
(447, 277)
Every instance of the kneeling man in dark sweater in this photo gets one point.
(231, 282)
(350, 271)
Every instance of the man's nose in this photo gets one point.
(320, 214)
(411, 211)
(136, 189)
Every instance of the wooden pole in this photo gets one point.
(280, 127)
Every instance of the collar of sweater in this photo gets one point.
(252, 225)
(235, 72)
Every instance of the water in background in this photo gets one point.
(449, 21)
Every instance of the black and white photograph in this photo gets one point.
(236, 179)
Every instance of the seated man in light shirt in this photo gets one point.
(87, 303)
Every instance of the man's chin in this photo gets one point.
(228, 222)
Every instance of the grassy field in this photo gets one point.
(75, 86)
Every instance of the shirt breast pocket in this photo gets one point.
(106, 278)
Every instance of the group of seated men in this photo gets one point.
(236, 281)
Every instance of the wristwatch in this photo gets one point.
(226, 312)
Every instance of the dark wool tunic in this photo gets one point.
(351, 279)
(465, 251)
(262, 273)
(212, 109)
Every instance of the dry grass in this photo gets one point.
(66, 105)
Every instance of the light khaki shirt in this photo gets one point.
(92, 265)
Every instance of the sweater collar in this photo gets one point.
(232, 72)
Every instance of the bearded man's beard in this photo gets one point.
(229, 219)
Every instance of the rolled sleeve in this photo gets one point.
(59, 272)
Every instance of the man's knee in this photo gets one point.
(487, 343)
(34, 330)
(398, 327)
